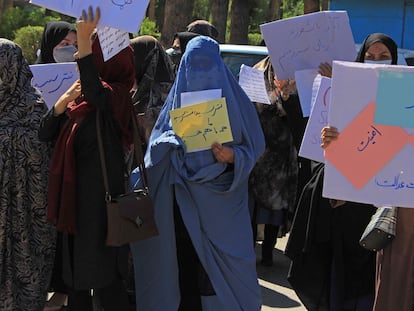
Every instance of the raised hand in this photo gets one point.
(86, 27)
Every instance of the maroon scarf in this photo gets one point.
(118, 74)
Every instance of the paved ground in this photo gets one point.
(277, 293)
(276, 290)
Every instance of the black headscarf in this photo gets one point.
(184, 37)
(53, 33)
(374, 38)
(152, 68)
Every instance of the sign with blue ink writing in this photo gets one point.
(395, 98)
(53, 80)
(121, 14)
(369, 162)
(308, 40)
(311, 143)
(200, 125)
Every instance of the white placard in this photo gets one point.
(53, 80)
(308, 40)
(304, 84)
(386, 175)
(112, 41)
(122, 14)
(253, 83)
(311, 143)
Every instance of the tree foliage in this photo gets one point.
(149, 27)
(28, 38)
(17, 23)
(20, 16)
(292, 8)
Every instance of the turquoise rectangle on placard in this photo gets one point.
(395, 99)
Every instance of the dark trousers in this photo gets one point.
(193, 279)
(111, 298)
(269, 241)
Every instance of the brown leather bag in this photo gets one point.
(131, 215)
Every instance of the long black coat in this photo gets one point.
(87, 262)
(329, 268)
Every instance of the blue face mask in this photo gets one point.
(65, 54)
(383, 62)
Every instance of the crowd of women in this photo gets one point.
(207, 204)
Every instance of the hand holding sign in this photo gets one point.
(86, 26)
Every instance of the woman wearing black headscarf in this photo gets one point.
(395, 263)
(76, 195)
(330, 270)
(179, 44)
(378, 47)
(154, 75)
(58, 43)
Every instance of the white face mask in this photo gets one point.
(383, 62)
(64, 54)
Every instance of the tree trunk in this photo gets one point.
(239, 22)
(310, 6)
(325, 5)
(275, 11)
(177, 15)
(4, 5)
(219, 12)
(159, 13)
(151, 10)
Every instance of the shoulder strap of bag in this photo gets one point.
(137, 152)
(139, 156)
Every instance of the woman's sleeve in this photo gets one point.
(50, 126)
(91, 84)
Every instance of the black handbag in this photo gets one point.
(131, 215)
(380, 230)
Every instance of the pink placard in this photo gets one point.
(363, 148)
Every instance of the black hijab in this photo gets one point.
(154, 73)
(374, 38)
(184, 37)
(53, 33)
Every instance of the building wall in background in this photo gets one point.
(393, 17)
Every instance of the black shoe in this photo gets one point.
(267, 262)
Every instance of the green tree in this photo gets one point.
(202, 10)
(28, 38)
(16, 17)
(292, 8)
(149, 27)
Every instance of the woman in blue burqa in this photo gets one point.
(203, 258)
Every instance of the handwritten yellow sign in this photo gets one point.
(202, 124)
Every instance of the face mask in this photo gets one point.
(64, 54)
(175, 55)
(377, 62)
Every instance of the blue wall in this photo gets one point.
(393, 17)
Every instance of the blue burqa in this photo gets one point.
(212, 196)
